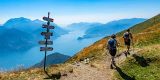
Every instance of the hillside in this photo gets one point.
(146, 51)
(55, 58)
(13, 40)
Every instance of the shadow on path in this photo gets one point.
(53, 76)
(122, 74)
(141, 60)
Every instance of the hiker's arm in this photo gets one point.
(107, 46)
(123, 35)
(131, 36)
(117, 44)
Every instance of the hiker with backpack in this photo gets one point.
(112, 48)
(127, 36)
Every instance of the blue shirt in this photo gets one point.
(112, 43)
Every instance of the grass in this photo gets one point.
(132, 67)
(35, 74)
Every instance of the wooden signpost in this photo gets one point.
(46, 35)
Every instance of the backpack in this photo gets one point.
(112, 44)
(126, 36)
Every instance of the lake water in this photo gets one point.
(65, 44)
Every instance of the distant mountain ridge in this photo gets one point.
(23, 24)
(82, 26)
(111, 27)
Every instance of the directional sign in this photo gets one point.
(46, 26)
(47, 33)
(46, 48)
(44, 42)
(48, 19)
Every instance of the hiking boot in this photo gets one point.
(111, 66)
(128, 53)
(125, 53)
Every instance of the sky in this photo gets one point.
(66, 12)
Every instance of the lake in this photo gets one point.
(66, 44)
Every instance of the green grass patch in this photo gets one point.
(153, 39)
(132, 67)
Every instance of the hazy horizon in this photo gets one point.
(73, 22)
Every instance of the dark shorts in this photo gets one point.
(127, 42)
(112, 52)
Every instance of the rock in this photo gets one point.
(71, 70)
(65, 74)
(56, 75)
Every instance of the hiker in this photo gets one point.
(112, 48)
(127, 40)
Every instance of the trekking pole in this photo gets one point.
(118, 52)
(133, 45)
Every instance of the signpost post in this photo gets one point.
(47, 35)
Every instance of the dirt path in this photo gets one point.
(98, 71)
(121, 57)
(89, 72)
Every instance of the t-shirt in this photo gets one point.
(112, 43)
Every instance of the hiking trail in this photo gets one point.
(97, 71)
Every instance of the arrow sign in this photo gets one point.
(47, 33)
(48, 19)
(44, 42)
(46, 48)
(46, 26)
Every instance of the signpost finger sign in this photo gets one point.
(48, 19)
(44, 42)
(46, 26)
(46, 48)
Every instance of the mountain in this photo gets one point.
(111, 27)
(141, 64)
(32, 26)
(55, 58)
(21, 34)
(13, 40)
(23, 24)
(81, 26)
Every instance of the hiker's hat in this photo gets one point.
(128, 30)
(113, 36)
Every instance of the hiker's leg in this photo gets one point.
(112, 62)
(112, 59)
(126, 52)
(128, 47)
